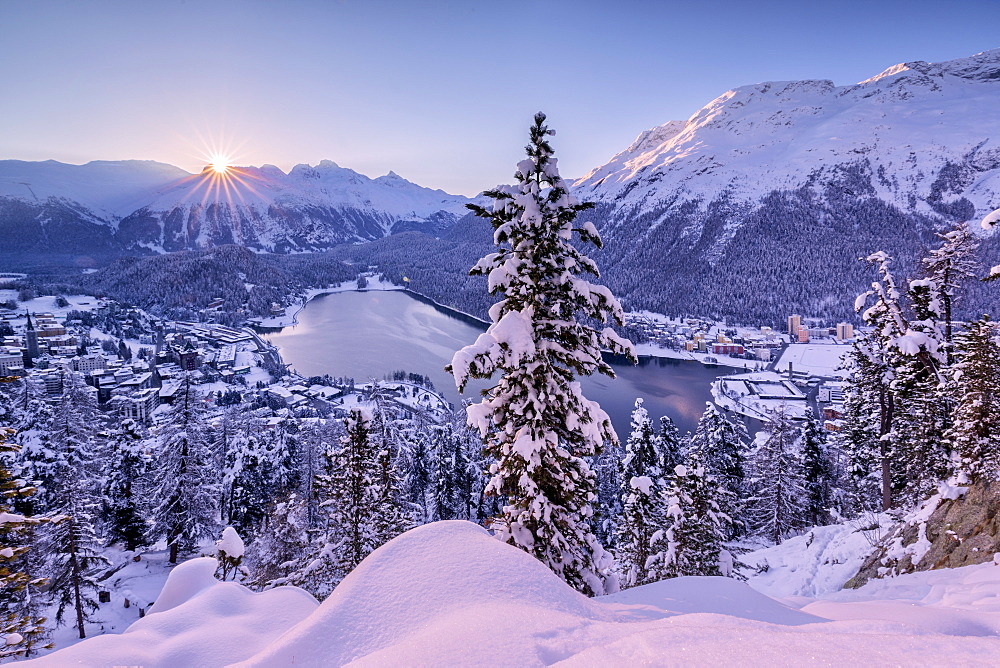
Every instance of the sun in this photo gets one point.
(220, 163)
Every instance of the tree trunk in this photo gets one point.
(885, 425)
(74, 565)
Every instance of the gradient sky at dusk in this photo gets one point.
(440, 92)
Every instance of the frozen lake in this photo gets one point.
(366, 335)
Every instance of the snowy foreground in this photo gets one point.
(447, 593)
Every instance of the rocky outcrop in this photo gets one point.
(950, 530)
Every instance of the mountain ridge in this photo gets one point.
(762, 201)
(153, 207)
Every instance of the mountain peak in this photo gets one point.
(983, 66)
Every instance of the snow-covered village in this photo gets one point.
(714, 391)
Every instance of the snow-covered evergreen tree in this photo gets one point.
(70, 544)
(21, 628)
(922, 410)
(904, 357)
(817, 472)
(420, 478)
(722, 444)
(643, 469)
(975, 388)
(246, 477)
(73, 556)
(673, 444)
(281, 544)
(858, 439)
(692, 540)
(362, 507)
(949, 267)
(777, 507)
(537, 422)
(125, 479)
(390, 514)
(31, 417)
(608, 503)
(186, 492)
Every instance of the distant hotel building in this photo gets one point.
(794, 324)
(845, 330)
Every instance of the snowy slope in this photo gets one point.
(162, 208)
(908, 122)
(761, 203)
(448, 594)
(109, 189)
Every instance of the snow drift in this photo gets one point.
(196, 621)
(448, 593)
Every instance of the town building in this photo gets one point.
(794, 325)
(845, 331)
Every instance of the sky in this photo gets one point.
(440, 92)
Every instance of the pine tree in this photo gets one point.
(949, 267)
(389, 516)
(692, 540)
(420, 479)
(975, 387)
(878, 346)
(281, 544)
(362, 507)
(864, 395)
(777, 506)
(539, 424)
(125, 476)
(246, 477)
(185, 498)
(72, 550)
(608, 504)
(31, 417)
(21, 630)
(673, 444)
(643, 471)
(922, 410)
(721, 443)
(817, 472)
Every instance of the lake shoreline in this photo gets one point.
(373, 333)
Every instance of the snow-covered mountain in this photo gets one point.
(769, 182)
(129, 205)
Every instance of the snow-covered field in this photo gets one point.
(817, 359)
(449, 594)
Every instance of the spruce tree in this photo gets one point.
(922, 411)
(538, 425)
(642, 476)
(72, 550)
(817, 472)
(722, 444)
(185, 497)
(125, 479)
(777, 506)
(362, 507)
(21, 629)
(859, 436)
(905, 355)
(692, 539)
(949, 267)
(975, 388)
(281, 544)
(673, 444)
(607, 506)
